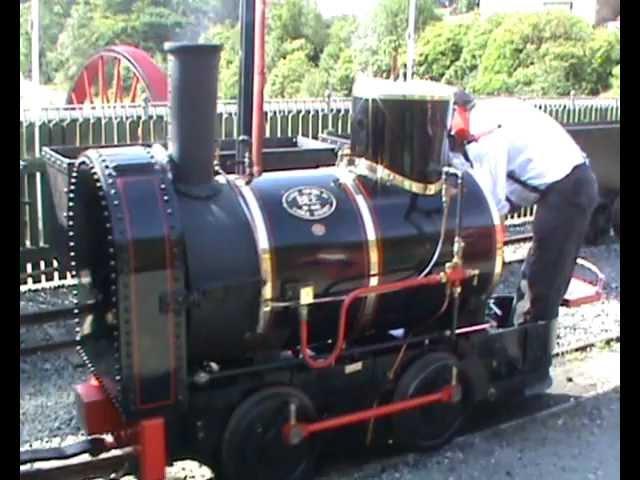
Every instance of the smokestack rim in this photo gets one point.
(188, 47)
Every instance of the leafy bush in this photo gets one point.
(439, 48)
(541, 54)
(291, 20)
(229, 36)
(465, 6)
(289, 78)
(381, 42)
(337, 61)
(615, 82)
(464, 71)
(604, 54)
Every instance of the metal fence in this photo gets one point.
(119, 124)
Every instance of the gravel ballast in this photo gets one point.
(46, 398)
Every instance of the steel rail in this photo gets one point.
(80, 469)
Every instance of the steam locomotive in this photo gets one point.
(246, 306)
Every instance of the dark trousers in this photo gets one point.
(559, 228)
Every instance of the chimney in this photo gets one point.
(193, 95)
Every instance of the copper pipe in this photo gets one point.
(259, 72)
(456, 275)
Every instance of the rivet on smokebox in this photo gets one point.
(318, 229)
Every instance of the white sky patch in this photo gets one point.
(359, 8)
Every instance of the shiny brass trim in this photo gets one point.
(373, 246)
(380, 173)
(497, 223)
(261, 234)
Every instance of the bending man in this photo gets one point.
(525, 157)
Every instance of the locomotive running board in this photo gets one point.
(582, 291)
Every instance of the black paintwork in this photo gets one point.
(223, 278)
(134, 340)
(223, 272)
(245, 87)
(406, 136)
(192, 136)
(334, 262)
(242, 161)
(499, 364)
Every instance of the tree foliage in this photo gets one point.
(381, 41)
(337, 62)
(546, 54)
(615, 81)
(535, 54)
(291, 20)
(228, 35)
(53, 14)
(291, 77)
(72, 30)
(144, 23)
(440, 48)
(523, 54)
(466, 6)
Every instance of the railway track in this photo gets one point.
(488, 418)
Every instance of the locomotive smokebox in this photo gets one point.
(402, 127)
(193, 93)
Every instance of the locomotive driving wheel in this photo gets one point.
(119, 74)
(253, 445)
(433, 425)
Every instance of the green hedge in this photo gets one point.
(545, 54)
